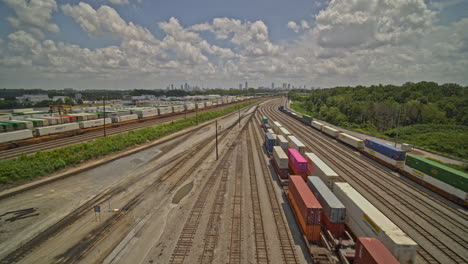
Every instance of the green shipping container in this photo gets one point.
(443, 173)
(7, 127)
(265, 119)
(307, 117)
(17, 125)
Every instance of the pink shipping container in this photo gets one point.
(308, 206)
(370, 250)
(283, 173)
(297, 161)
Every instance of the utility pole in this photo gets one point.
(104, 104)
(196, 115)
(398, 126)
(216, 123)
(239, 117)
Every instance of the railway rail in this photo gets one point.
(411, 209)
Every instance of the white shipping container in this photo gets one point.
(165, 110)
(366, 220)
(189, 106)
(44, 131)
(280, 157)
(178, 108)
(94, 123)
(22, 110)
(270, 131)
(208, 103)
(317, 125)
(284, 132)
(45, 122)
(396, 163)
(53, 120)
(276, 125)
(200, 105)
(330, 131)
(295, 143)
(125, 118)
(282, 142)
(5, 117)
(316, 167)
(352, 141)
(15, 135)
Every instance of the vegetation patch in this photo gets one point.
(28, 167)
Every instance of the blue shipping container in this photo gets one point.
(266, 126)
(385, 149)
(281, 107)
(269, 142)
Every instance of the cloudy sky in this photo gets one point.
(126, 44)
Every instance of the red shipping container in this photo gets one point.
(311, 232)
(297, 161)
(308, 206)
(283, 173)
(337, 229)
(72, 118)
(370, 250)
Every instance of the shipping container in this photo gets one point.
(5, 117)
(79, 117)
(385, 149)
(53, 120)
(295, 143)
(91, 116)
(281, 107)
(19, 124)
(190, 106)
(275, 125)
(455, 178)
(264, 119)
(38, 122)
(365, 220)
(15, 135)
(178, 108)
(284, 132)
(330, 131)
(316, 167)
(270, 131)
(282, 142)
(336, 229)
(308, 206)
(147, 112)
(165, 110)
(370, 250)
(297, 163)
(267, 127)
(49, 130)
(317, 125)
(124, 118)
(333, 209)
(200, 106)
(350, 140)
(7, 126)
(94, 123)
(22, 110)
(70, 118)
(269, 142)
(280, 157)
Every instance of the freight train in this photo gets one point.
(17, 127)
(450, 183)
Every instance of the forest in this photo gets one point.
(427, 114)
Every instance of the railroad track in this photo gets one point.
(78, 251)
(287, 249)
(391, 189)
(79, 138)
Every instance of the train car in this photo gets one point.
(49, 130)
(69, 117)
(79, 117)
(306, 207)
(6, 127)
(317, 125)
(5, 116)
(264, 119)
(334, 212)
(370, 250)
(190, 106)
(294, 143)
(38, 122)
(365, 220)
(316, 167)
(276, 125)
(438, 177)
(307, 119)
(269, 142)
(53, 120)
(94, 123)
(297, 163)
(119, 119)
(200, 105)
(270, 131)
(354, 142)
(178, 108)
(332, 132)
(384, 153)
(91, 116)
(282, 142)
(267, 127)
(19, 124)
(280, 162)
(281, 108)
(147, 112)
(284, 132)
(164, 110)
(15, 135)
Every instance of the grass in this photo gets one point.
(27, 167)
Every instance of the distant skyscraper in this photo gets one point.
(186, 86)
(246, 85)
(272, 85)
(289, 86)
(181, 86)
(240, 86)
(172, 86)
(284, 85)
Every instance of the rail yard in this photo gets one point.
(178, 201)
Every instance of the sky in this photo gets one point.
(150, 44)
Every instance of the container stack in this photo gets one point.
(295, 143)
(334, 212)
(371, 251)
(282, 142)
(280, 162)
(297, 163)
(269, 142)
(316, 167)
(306, 207)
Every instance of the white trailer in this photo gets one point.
(295, 143)
(15, 135)
(94, 123)
(330, 131)
(49, 130)
(352, 141)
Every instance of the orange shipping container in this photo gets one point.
(312, 232)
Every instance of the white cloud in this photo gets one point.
(33, 15)
(119, 2)
(294, 26)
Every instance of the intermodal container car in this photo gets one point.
(70, 118)
(365, 220)
(295, 143)
(267, 127)
(94, 123)
(307, 119)
(370, 250)
(281, 107)
(123, 118)
(200, 105)
(19, 124)
(317, 125)
(49, 130)
(280, 162)
(38, 122)
(178, 108)
(297, 163)
(15, 135)
(316, 167)
(352, 141)
(334, 212)
(385, 149)
(284, 132)
(330, 131)
(282, 142)
(269, 142)
(189, 106)
(264, 119)
(276, 125)
(164, 110)
(307, 208)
